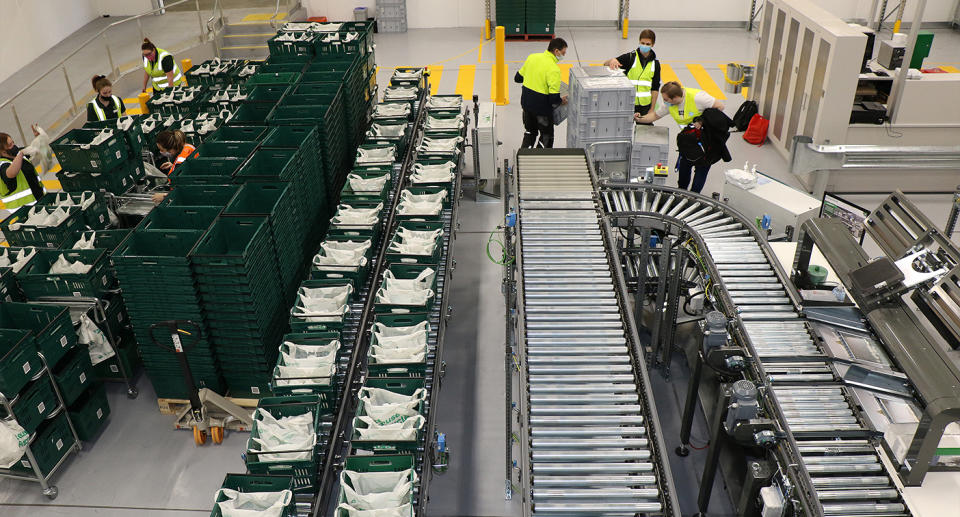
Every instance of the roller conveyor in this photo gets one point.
(848, 475)
(590, 447)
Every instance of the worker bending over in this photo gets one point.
(684, 105)
(643, 69)
(540, 76)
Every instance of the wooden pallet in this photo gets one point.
(528, 37)
(174, 406)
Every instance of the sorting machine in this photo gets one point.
(826, 408)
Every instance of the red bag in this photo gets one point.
(756, 132)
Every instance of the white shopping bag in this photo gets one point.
(378, 482)
(383, 331)
(84, 242)
(361, 184)
(414, 339)
(398, 496)
(253, 504)
(97, 344)
(13, 442)
(400, 511)
(381, 355)
(402, 431)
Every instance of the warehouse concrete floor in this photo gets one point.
(141, 466)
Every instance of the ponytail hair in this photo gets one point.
(172, 140)
(148, 45)
(100, 82)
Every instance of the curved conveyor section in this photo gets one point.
(847, 474)
(592, 440)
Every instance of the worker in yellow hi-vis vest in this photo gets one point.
(159, 68)
(540, 76)
(20, 183)
(643, 69)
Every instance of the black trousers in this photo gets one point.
(534, 126)
(684, 167)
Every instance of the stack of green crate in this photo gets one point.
(239, 283)
(214, 163)
(305, 141)
(288, 227)
(511, 15)
(214, 73)
(108, 165)
(541, 17)
(347, 70)
(184, 100)
(157, 282)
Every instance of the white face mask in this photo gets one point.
(559, 57)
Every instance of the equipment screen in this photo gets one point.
(853, 216)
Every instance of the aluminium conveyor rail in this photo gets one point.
(842, 469)
(593, 444)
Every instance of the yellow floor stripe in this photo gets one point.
(565, 71)
(667, 74)
(951, 69)
(5, 244)
(465, 77)
(262, 17)
(705, 81)
(132, 101)
(436, 72)
(52, 185)
(55, 168)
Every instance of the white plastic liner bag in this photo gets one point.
(405, 431)
(361, 184)
(384, 355)
(342, 253)
(444, 123)
(391, 110)
(400, 93)
(400, 511)
(411, 242)
(440, 144)
(420, 208)
(423, 281)
(97, 345)
(322, 303)
(13, 442)
(438, 173)
(294, 353)
(85, 243)
(383, 331)
(387, 496)
(349, 216)
(318, 374)
(386, 154)
(388, 130)
(444, 102)
(417, 339)
(253, 504)
(437, 197)
(378, 482)
(17, 260)
(63, 266)
(291, 437)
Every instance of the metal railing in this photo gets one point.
(42, 88)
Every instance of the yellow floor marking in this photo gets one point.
(705, 81)
(436, 72)
(134, 111)
(262, 17)
(5, 244)
(52, 185)
(55, 168)
(132, 101)
(951, 69)
(465, 77)
(667, 74)
(565, 71)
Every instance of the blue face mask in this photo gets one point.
(644, 48)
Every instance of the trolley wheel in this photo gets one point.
(51, 493)
(199, 437)
(132, 392)
(216, 434)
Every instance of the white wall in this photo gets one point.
(124, 7)
(31, 27)
(470, 13)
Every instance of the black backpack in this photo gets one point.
(746, 112)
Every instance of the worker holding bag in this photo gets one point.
(21, 183)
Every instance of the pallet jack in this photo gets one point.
(208, 412)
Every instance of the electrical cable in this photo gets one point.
(505, 258)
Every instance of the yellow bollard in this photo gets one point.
(143, 98)
(185, 64)
(896, 26)
(500, 71)
(626, 27)
(486, 30)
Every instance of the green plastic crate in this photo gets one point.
(53, 441)
(282, 48)
(18, 360)
(107, 239)
(279, 68)
(133, 136)
(303, 472)
(50, 325)
(201, 195)
(257, 483)
(127, 356)
(36, 402)
(164, 218)
(118, 181)
(239, 134)
(231, 241)
(90, 412)
(42, 236)
(74, 375)
(102, 157)
(283, 78)
(204, 171)
(162, 249)
(95, 216)
(36, 281)
(251, 114)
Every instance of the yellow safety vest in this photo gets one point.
(98, 109)
(155, 71)
(19, 197)
(642, 79)
(686, 111)
(541, 73)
